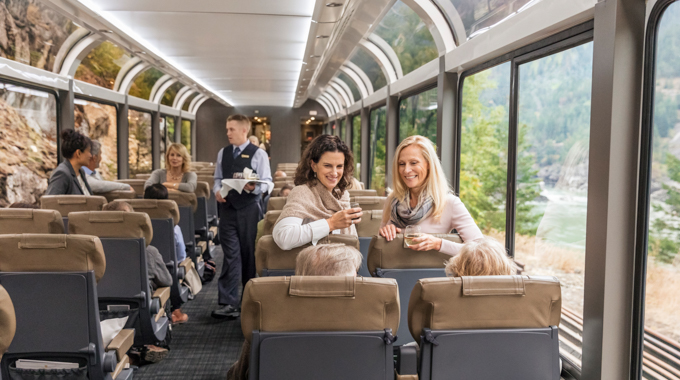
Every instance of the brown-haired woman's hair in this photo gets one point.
(304, 175)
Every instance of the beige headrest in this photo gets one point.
(72, 203)
(52, 253)
(155, 208)
(356, 184)
(280, 182)
(119, 194)
(369, 202)
(143, 176)
(270, 219)
(111, 224)
(209, 179)
(136, 184)
(202, 189)
(268, 255)
(184, 199)
(26, 220)
(370, 223)
(482, 302)
(323, 303)
(276, 203)
(363, 193)
(8, 321)
(393, 255)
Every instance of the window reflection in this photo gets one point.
(142, 85)
(28, 143)
(170, 94)
(352, 86)
(377, 164)
(478, 15)
(418, 115)
(367, 63)
(140, 158)
(99, 122)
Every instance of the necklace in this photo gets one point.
(175, 177)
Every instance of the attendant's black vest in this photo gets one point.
(231, 165)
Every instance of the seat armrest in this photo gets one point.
(407, 361)
(122, 364)
(122, 342)
(186, 263)
(163, 294)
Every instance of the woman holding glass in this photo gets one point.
(422, 201)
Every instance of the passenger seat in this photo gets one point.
(119, 194)
(366, 229)
(52, 281)
(22, 220)
(188, 204)
(320, 327)
(276, 203)
(136, 184)
(369, 202)
(487, 327)
(72, 203)
(363, 193)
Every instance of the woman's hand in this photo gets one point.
(426, 243)
(171, 185)
(343, 219)
(389, 232)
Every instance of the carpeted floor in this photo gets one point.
(203, 348)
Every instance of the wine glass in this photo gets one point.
(411, 232)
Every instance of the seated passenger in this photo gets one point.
(280, 174)
(159, 277)
(94, 178)
(158, 191)
(176, 175)
(285, 190)
(482, 257)
(69, 178)
(319, 260)
(422, 196)
(319, 204)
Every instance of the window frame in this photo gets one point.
(403, 96)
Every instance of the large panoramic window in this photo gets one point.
(377, 166)
(186, 134)
(408, 36)
(99, 122)
(368, 64)
(170, 128)
(187, 102)
(164, 140)
(140, 157)
(144, 82)
(342, 129)
(552, 170)
(478, 16)
(418, 115)
(662, 303)
(352, 86)
(484, 148)
(170, 93)
(356, 144)
(28, 143)
(101, 65)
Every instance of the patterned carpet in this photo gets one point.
(203, 348)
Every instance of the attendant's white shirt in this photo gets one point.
(290, 233)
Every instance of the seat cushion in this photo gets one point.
(393, 255)
(21, 220)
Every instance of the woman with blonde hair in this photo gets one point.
(484, 257)
(422, 197)
(176, 175)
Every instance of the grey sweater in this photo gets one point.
(188, 184)
(159, 276)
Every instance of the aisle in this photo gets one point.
(203, 348)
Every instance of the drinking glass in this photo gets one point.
(411, 232)
(354, 205)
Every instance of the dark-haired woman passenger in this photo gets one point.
(68, 177)
(318, 205)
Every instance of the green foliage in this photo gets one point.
(366, 62)
(143, 84)
(668, 42)
(418, 115)
(139, 157)
(102, 64)
(170, 94)
(377, 165)
(185, 106)
(186, 134)
(356, 144)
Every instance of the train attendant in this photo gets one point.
(318, 205)
(422, 197)
(177, 175)
(239, 213)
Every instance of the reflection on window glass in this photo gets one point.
(408, 36)
(356, 144)
(352, 86)
(662, 305)
(164, 140)
(477, 15)
(484, 148)
(28, 143)
(187, 102)
(99, 122)
(139, 142)
(33, 33)
(418, 115)
(170, 126)
(552, 170)
(186, 134)
(101, 66)
(170, 94)
(377, 165)
(144, 82)
(342, 129)
(367, 63)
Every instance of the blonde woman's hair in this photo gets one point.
(182, 150)
(482, 257)
(328, 260)
(436, 184)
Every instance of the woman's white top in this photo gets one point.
(290, 233)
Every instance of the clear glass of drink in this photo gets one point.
(411, 232)
(354, 205)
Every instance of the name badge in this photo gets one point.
(245, 156)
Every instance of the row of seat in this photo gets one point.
(367, 199)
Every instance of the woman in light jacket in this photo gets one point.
(176, 175)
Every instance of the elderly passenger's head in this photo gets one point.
(285, 190)
(177, 157)
(118, 206)
(96, 159)
(280, 174)
(482, 257)
(328, 260)
(254, 140)
(329, 161)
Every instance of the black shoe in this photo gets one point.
(226, 312)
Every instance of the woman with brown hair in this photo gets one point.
(176, 175)
(318, 205)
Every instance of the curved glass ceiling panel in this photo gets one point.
(478, 15)
(170, 94)
(408, 35)
(350, 83)
(188, 100)
(372, 69)
(144, 82)
(102, 64)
